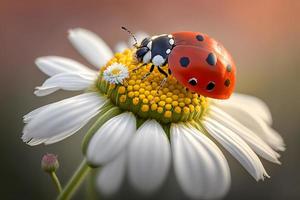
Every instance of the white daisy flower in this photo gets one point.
(141, 133)
(115, 73)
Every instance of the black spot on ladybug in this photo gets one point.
(210, 86)
(199, 38)
(227, 82)
(184, 61)
(211, 59)
(193, 81)
(228, 68)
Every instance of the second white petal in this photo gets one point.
(201, 169)
(90, 46)
(66, 81)
(54, 122)
(52, 65)
(111, 175)
(237, 147)
(149, 157)
(111, 139)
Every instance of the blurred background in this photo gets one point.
(263, 37)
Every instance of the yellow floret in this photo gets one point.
(131, 82)
(175, 97)
(168, 106)
(154, 106)
(135, 101)
(163, 97)
(160, 109)
(169, 100)
(153, 92)
(169, 94)
(136, 87)
(142, 96)
(122, 98)
(145, 108)
(156, 99)
(121, 90)
(142, 90)
(168, 114)
(131, 94)
(198, 108)
(150, 97)
(145, 101)
(192, 108)
(165, 90)
(162, 103)
(181, 104)
(175, 103)
(187, 101)
(186, 110)
(177, 109)
(129, 88)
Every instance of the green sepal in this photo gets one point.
(167, 128)
(139, 122)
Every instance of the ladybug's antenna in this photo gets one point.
(132, 35)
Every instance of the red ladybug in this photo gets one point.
(196, 60)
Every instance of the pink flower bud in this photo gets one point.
(49, 163)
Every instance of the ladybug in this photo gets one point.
(196, 60)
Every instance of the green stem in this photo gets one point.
(56, 181)
(77, 178)
(91, 180)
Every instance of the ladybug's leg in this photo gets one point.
(162, 71)
(138, 67)
(163, 82)
(148, 73)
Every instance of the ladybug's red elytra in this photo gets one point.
(196, 60)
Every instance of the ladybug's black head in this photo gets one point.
(155, 49)
(140, 53)
(143, 49)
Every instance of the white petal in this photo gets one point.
(66, 81)
(62, 119)
(201, 169)
(111, 139)
(33, 114)
(256, 124)
(253, 105)
(111, 175)
(149, 157)
(52, 65)
(237, 147)
(255, 142)
(90, 46)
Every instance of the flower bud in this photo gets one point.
(49, 163)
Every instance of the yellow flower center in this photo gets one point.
(115, 72)
(144, 97)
